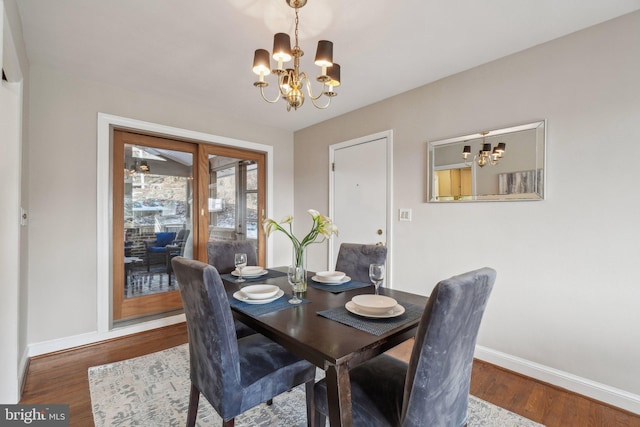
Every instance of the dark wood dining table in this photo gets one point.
(328, 344)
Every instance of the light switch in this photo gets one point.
(404, 215)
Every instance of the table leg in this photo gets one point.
(339, 396)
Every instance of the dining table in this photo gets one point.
(321, 329)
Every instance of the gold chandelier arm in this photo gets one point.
(303, 76)
(267, 99)
(320, 106)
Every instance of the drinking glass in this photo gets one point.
(376, 274)
(241, 262)
(294, 276)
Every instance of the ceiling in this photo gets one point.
(201, 51)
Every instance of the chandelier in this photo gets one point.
(136, 167)
(291, 80)
(486, 155)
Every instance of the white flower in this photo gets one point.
(322, 226)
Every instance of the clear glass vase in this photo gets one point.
(299, 259)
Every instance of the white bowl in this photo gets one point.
(332, 276)
(374, 304)
(251, 270)
(260, 291)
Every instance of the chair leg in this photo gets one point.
(194, 398)
(229, 423)
(319, 419)
(269, 402)
(310, 404)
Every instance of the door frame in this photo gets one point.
(233, 152)
(104, 166)
(388, 134)
(126, 309)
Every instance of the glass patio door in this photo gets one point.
(235, 196)
(153, 204)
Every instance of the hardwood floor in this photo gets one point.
(62, 378)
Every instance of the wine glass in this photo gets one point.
(294, 276)
(241, 262)
(376, 274)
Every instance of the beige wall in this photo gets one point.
(565, 304)
(62, 189)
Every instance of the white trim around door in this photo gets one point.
(106, 123)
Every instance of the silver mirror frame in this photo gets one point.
(538, 165)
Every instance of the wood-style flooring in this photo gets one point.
(62, 378)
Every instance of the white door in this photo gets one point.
(360, 199)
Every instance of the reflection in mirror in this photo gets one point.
(500, 164)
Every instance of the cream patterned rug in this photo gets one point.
(153, 390)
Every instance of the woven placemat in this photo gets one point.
(281, 303)
(374, 326)
(336, 289)
(272, 274)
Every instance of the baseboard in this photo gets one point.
(45, 347)
(601, 392)
(23, 365)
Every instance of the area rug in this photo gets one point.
(153, 390)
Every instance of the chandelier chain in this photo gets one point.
(296, 30)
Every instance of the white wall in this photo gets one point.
(567, 297)
(62, 191)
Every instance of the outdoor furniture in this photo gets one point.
(176, 248)
(233, 374)
(156, 248)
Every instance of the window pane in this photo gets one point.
(157, 216)
(252, 215)
(252, 177)
(224, 199)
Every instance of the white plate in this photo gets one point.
(237, 274)
(260, 291)
(333, 276)
(394, 312)
(242, 297)
(374, 304)
(330, 282)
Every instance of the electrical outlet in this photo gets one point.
(404, 214)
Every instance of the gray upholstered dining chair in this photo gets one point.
(433, 388)
(233, 374)
(221, 254)
(354, 259)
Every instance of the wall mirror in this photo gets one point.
(492, 165)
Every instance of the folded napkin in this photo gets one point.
(281, 303)
(373, 326)
(336, 289)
